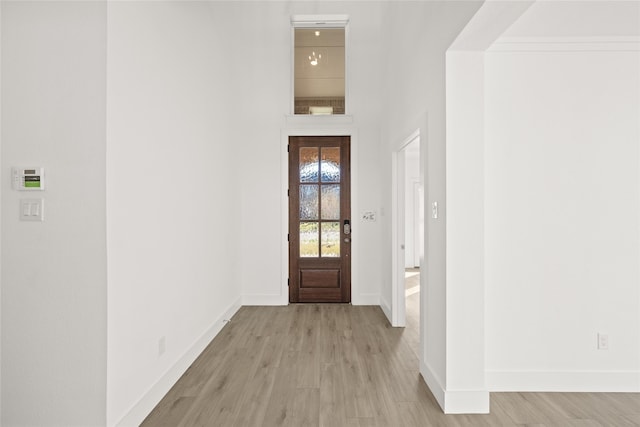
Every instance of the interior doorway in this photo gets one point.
(408, 229)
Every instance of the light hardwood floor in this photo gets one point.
(341, 365)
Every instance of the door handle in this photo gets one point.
(346, 228)
(347, 240)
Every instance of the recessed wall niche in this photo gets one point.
(319, 71)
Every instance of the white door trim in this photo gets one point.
(356, 298)
(418, 220)
(398, 303)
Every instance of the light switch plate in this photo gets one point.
(32, 210)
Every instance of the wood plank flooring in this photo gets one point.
(341, 365)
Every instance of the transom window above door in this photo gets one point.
(319, 67)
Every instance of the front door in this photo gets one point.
(319, 219)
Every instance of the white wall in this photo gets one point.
(185, 105)
(193, 145)
(465, 330)
(262, 52)
(552, 94)
(418, 34)
(54, 272)
(562, 218)
(173, 206)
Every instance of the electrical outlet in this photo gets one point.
(603, 342)
(162, 346)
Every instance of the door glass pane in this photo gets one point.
(309, 164)
(308, 201)
(330, 165)
(330, 239)
(330, 202)
(309, 239)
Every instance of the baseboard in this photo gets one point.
(264, 300)
(145, 405)
(386, 309)
(365, 299)
(455, 401)
(433, 382)
(564, 381)
(466, 402)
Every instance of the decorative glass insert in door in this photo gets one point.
(319, 190)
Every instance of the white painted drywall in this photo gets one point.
(182, 99)
(465, 234)
(54, 273)
(262, 58)
(562, 218)
(173, 204)
(418, 34)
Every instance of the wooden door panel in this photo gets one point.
(319, 206)
(320, 278)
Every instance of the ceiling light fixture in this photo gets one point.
(313, 59)
(317, 33)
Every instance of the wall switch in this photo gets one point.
(162, 346)
(32, 210)
(603, 342)
(434, 210)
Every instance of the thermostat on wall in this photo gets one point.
(28, 179)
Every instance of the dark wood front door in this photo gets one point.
(319, 219)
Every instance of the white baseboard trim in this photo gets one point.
(386, 309)
(365, 299)
(466, 402)
(145, 405)
(455, 401)
(564, 381)
(264, 300)
(433, 382)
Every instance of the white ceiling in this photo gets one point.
(502, 22)
(578, 19)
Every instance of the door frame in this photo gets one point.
(418, 234)
(320, 268)
(398, 191)
(315, 129)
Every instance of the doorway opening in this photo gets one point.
(408, 234)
